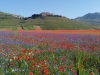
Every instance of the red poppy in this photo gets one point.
(12, 64)
(55, 62)
(13, 58)
(35, 51)
(35, 64)
(64, 58)
(18, 58)
(61, 69)
(73, 60)
(42, 64)
(50, 51)
(46, 71)
(57, 58)
(74, 71)
(87, 59)
(41, 51)
(27, 58)
(31, 68)
(24, 51)
(30, 73)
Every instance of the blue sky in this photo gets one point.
(68, 8)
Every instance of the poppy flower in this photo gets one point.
(30, 73)
(61, 69)
(35, 64)
(24, 51)
(46, 71)
(35, 51)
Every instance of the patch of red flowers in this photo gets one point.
(30, 73)
(46, 71)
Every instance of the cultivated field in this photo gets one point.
(50, 52)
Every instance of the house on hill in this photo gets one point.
(46, 14)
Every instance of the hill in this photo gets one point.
(8, 20)
(40, 21)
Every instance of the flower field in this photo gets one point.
(49, 53)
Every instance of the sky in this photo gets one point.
(68, 8)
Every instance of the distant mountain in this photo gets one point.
(93, 18)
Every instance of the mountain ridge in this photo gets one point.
(92, 18)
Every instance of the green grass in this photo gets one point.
(30, 28)
(14, 28)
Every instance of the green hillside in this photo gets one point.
(52, 23)
(7, 20)
(45, 23)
